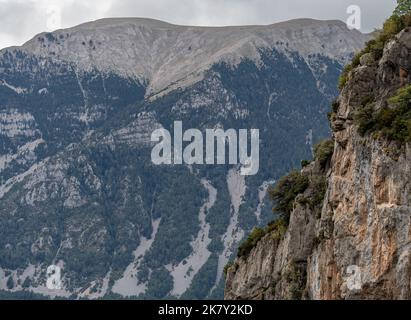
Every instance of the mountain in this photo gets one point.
(346, 234)
(79, 192)
(165, 56)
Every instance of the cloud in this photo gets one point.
(13, 17)
(244, 12)
(22, 19)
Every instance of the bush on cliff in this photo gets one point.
(252, 240)
(276, 228)
(323, 152)
(393, 123)
(400, 19)
(285, 192)
(403, 7)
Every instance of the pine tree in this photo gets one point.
(10, 283)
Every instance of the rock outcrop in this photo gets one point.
(359, 246)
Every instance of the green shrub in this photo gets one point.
(277, 228)
(296, 277)
(403, 7)
(356, 60)
(363, 117)
(367, 100)
(391, 27)
(305, 163)
(26, 283)
(10, 283)
(332, 115)
(403, 96)
(255, 236)
(390, 123)
(318, 186)
(342, 81)
(285, 192)
(323, 151)
(160, 284)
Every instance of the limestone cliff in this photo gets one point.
(357, 244)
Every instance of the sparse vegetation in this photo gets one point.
(297, 278)
(285, 192)
(227, 266)
(342, 81)
(332, 115)
(403, 7)
(318, 188)
(318, 185)
(160, 283)
(277, 228)
(284, 195)
(400, 19)
(390, 123)
(21, 295)
(323, 152)
(305, 163)
(255, 236)
(363, 117)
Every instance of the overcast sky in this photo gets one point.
(20, 20)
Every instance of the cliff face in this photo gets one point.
(359, 246)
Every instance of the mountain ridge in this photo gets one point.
(165, 55)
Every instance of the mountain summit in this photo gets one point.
(163, 55)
